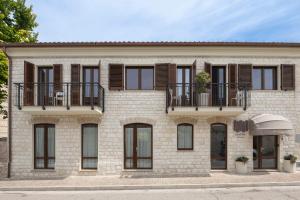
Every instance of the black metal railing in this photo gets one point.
(62, 94)
(208, 95)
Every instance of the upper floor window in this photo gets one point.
(264, 78)
(139, 78)
(44, 146)
(185, 137)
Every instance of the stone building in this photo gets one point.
(136, 108)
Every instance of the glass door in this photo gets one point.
(218, 146)
(218, 85)
(45, 86)
(183, 86)
(265, 152)
(90, 85)
(138, 146)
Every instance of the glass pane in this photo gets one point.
(132, 81)
(255, 152)
(268, 146)
(129, 163)
(179, 80)
(96, 81)
(129, 142)
(268, 79)
(256, 79)
(90, 141)
(89, 163)
(144, 163)
(144, 142)
(50, 80)
(51, 163)
(39, 163)
(218, 146)
(51, 142)
(147, 79)
(185, 137)
(39, 141)
(268, 163)
(87, 81)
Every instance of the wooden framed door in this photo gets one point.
(184, 86)
(90, 91)
(218, 146)
(138, 146)
(265, 150)
(45, 86)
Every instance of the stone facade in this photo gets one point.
(124, 107)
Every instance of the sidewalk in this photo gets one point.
(216, 180)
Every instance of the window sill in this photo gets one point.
(43, 170)
(137, 170)
(185, 150)
(88, 170)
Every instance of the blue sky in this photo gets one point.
(168, 20)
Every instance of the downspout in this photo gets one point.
(9, 112)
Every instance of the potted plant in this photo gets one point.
(202, 79)
(289, 163)
(241, 165)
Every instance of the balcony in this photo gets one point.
(60, 99)
(213, 99)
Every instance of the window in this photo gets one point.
(185, 137)
(44, 146)
(138, 146)
(89, 148)
(139, 78)
(264, 78)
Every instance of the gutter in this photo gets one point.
(9, 112)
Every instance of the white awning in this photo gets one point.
(268, 124)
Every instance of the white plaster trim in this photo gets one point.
(43, 119)
(143, 120)
(86, 120)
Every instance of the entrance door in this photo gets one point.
(184, 86)
(138, 146)
(218, 146)
(45, 86)
(90, 85)
(218, 85)
(265, 152)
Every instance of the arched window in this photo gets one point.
(138, 146)
(44, 146)
(89, 146)
(185, 137)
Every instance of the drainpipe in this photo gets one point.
(9, 112)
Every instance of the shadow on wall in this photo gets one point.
(3, 157)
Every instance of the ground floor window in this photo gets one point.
(185, 137)
(138, 146)
(44, 146)
(89, 146)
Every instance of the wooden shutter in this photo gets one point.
(232, 84)
(161, 76)
(207, 68)
(116, 76)
(57, 71)
(28, 84)
(75, 84)
(245, 76)
(194, 73)
(288, 77)
(172, 73)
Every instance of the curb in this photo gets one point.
(150, 187)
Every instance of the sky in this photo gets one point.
(167, 20)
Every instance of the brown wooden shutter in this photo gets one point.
(288, 77)
(57, 71)
(245, 75)
(232, 84)
(194, 73)
(161, 76)
(116, 76)
(28, 84)
(172, 74)
(207, 68)
(75, 84)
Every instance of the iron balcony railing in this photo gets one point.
(62, 94)
(208, 95)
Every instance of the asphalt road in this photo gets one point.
(264, 193)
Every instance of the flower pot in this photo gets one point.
(289, 167)
(241, 167)
(203, 99)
